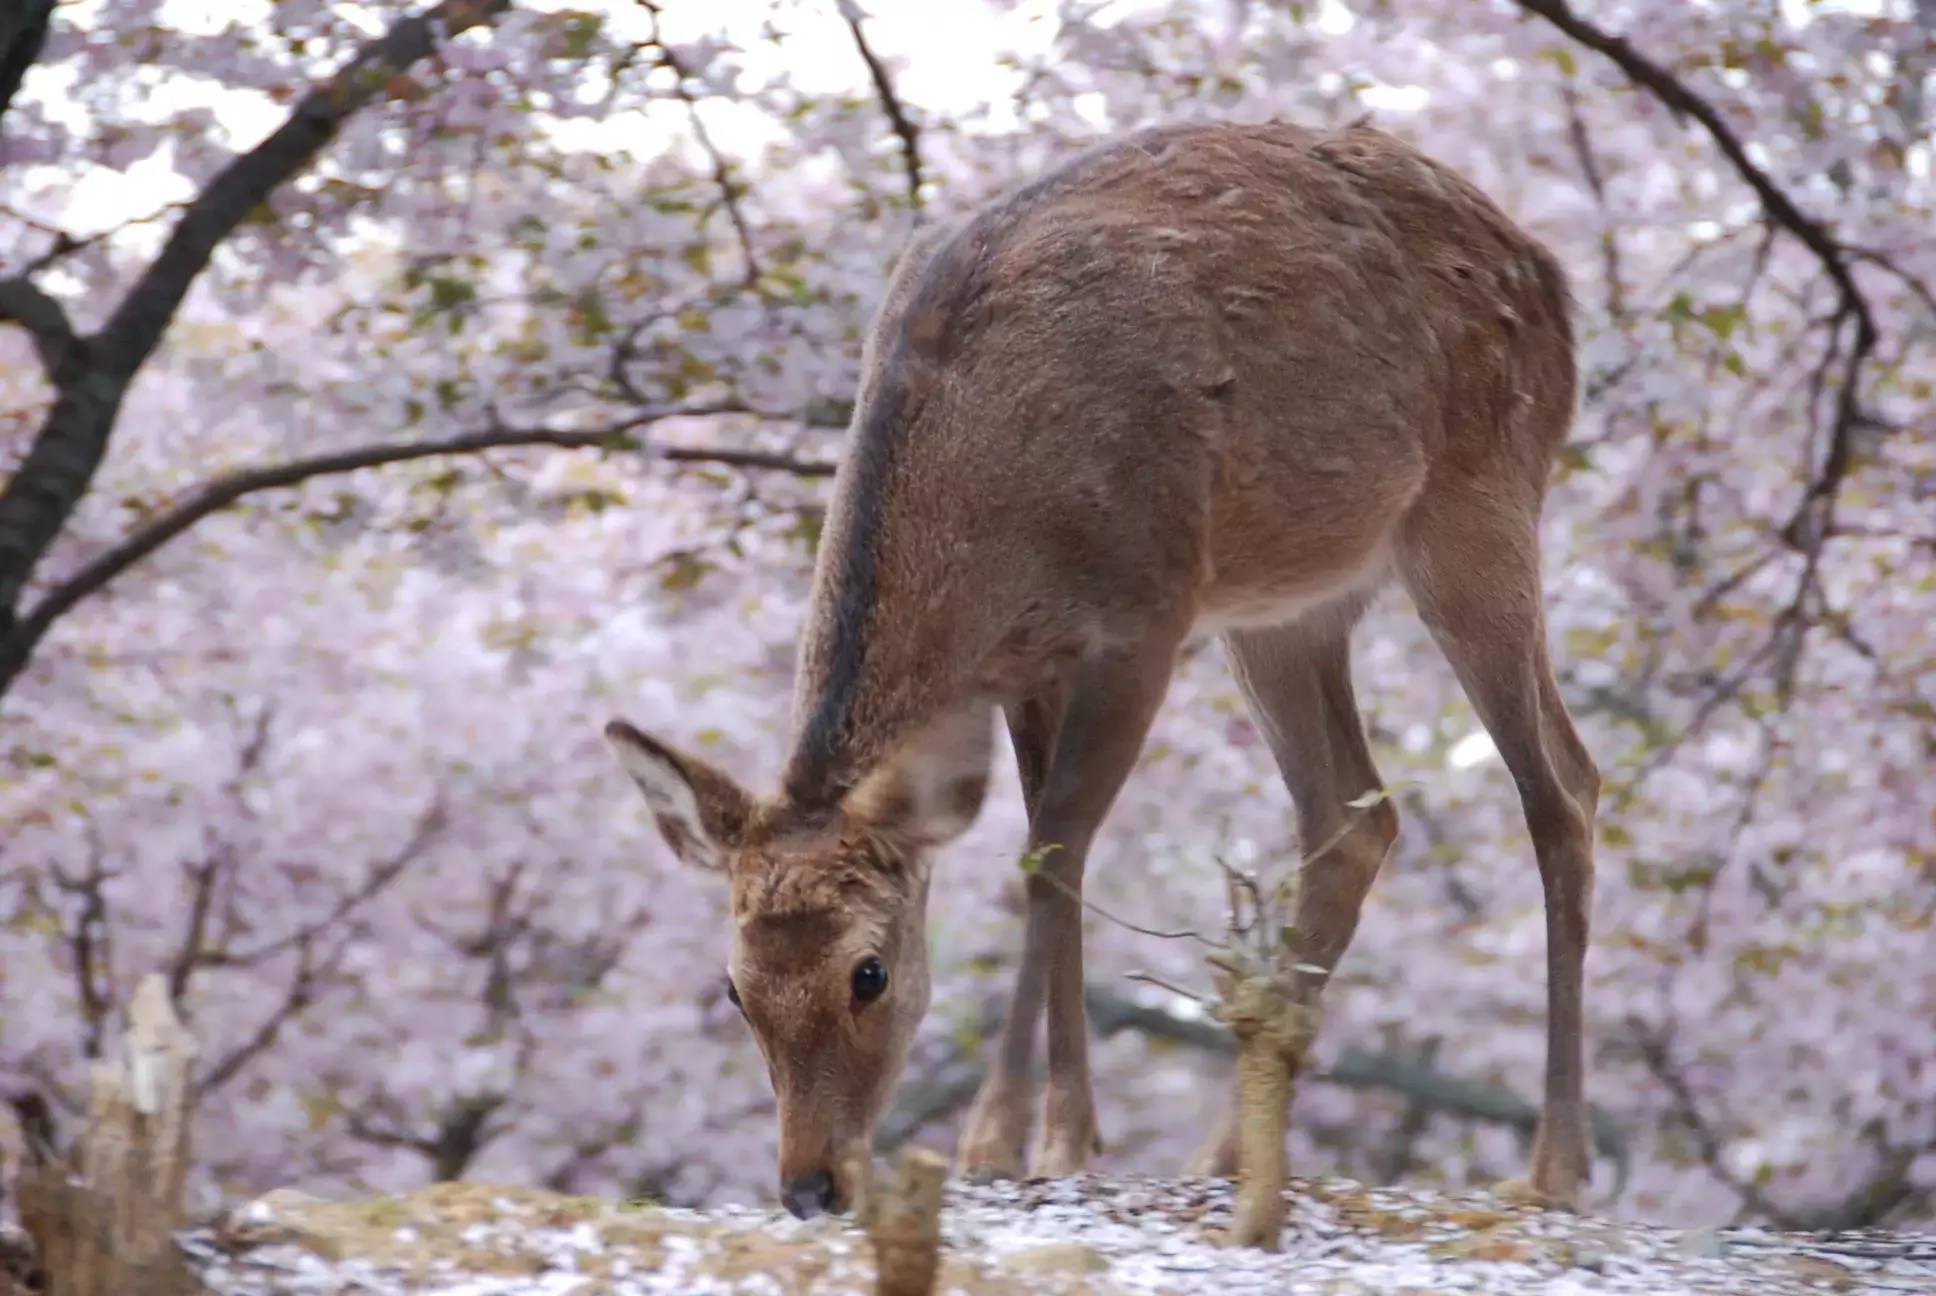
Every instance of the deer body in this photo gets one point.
(1200, 379)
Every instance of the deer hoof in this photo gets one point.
(1064, 1153)
(988, 1160)
(1523, 1192)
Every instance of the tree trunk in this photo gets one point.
(1273, 1031)
(1263, 1114)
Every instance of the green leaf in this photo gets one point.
(1032, 860)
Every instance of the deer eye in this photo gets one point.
(732, 993)
(870, 979)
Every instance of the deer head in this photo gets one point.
(829, 955)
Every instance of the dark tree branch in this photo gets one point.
(207, 875)
(50, 481)
(897, 113)
(463, 1132)
(1400, 1154)
(23, 31)
(295, 1001)
(1920, 289)
(90, 942)
(45, 319)
(222, 492)
(311, 971)
(38, 1128)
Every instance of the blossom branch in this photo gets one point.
(57, 470)
(1813, 521)
(223, 492)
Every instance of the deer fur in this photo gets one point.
(1199, 379)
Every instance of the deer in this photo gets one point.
(1198, 380)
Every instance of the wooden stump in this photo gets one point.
(905, 1225)
(1273, 1032)
(104, 1225)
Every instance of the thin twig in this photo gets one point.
(1100, 912)
(897, 113)
(729, 189)
(1148, 978)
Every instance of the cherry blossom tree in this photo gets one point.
(395, 392)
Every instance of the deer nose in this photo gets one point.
(809, 1195)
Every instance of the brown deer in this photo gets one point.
(1199, 379)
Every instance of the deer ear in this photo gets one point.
(701, 812)
(931, 790)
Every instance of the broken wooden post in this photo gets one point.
(104, 1225)
(905, 1226)
(1273, 1031)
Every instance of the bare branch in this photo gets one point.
(897, 113)
(62, 244)
(205, 876)
(1889, 265)
(1035, 869)
(38, 1129)
(222, 492)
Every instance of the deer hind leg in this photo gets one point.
(1472, 566)
(994, 1138)
(1297, 680)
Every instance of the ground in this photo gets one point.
(1092, 1236)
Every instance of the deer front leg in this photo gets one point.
(1112, 700)
(995, 1135)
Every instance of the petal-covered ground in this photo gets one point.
(1092, 1236)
